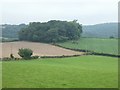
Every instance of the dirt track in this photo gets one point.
(39, 49)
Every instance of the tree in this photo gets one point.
(52, 35)
(51, 32)
(25, 53)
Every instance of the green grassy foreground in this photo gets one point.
(109, 46)
(74, 72)
(0, 75)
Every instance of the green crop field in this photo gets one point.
(75, 72)
(109, 46)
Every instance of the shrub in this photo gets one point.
(25, 53)
(11, 56)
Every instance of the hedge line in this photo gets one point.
(63, 56)
(36, 57)
(12, 59)
(88, 52)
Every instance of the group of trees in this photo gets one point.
(51, 31)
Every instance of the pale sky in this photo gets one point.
(85, 11)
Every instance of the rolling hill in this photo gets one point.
(105, 30)
(11, 31)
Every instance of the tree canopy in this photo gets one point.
(51, 31)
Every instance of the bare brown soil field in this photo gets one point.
(40, 49)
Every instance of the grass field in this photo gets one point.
(109, 46)
(0, 74)
(74, 72)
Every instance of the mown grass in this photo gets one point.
(109, 46)
(74, 72)
(0, 75)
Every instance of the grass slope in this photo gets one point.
(109, 46)
(75, 72)
(104, 30)
(0, 75)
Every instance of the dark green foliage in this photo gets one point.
(25, 53)
(52, 31)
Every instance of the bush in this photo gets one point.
(11, 56)
(25, 53)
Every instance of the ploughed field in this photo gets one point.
(40, 49)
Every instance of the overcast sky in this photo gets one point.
(85, 11)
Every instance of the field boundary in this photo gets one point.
(63, 56)
(88, 52)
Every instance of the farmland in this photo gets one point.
(74, 72)
(40, 49)
(109, 46)
(66, 44)
(89, 71)
(0, 75)
(86, 71)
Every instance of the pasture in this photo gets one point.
(0, 74)
(40, 49)
(75, 72)
(109, 46)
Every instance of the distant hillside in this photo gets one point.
(105, 30)
(11, 31)
(98, 31)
